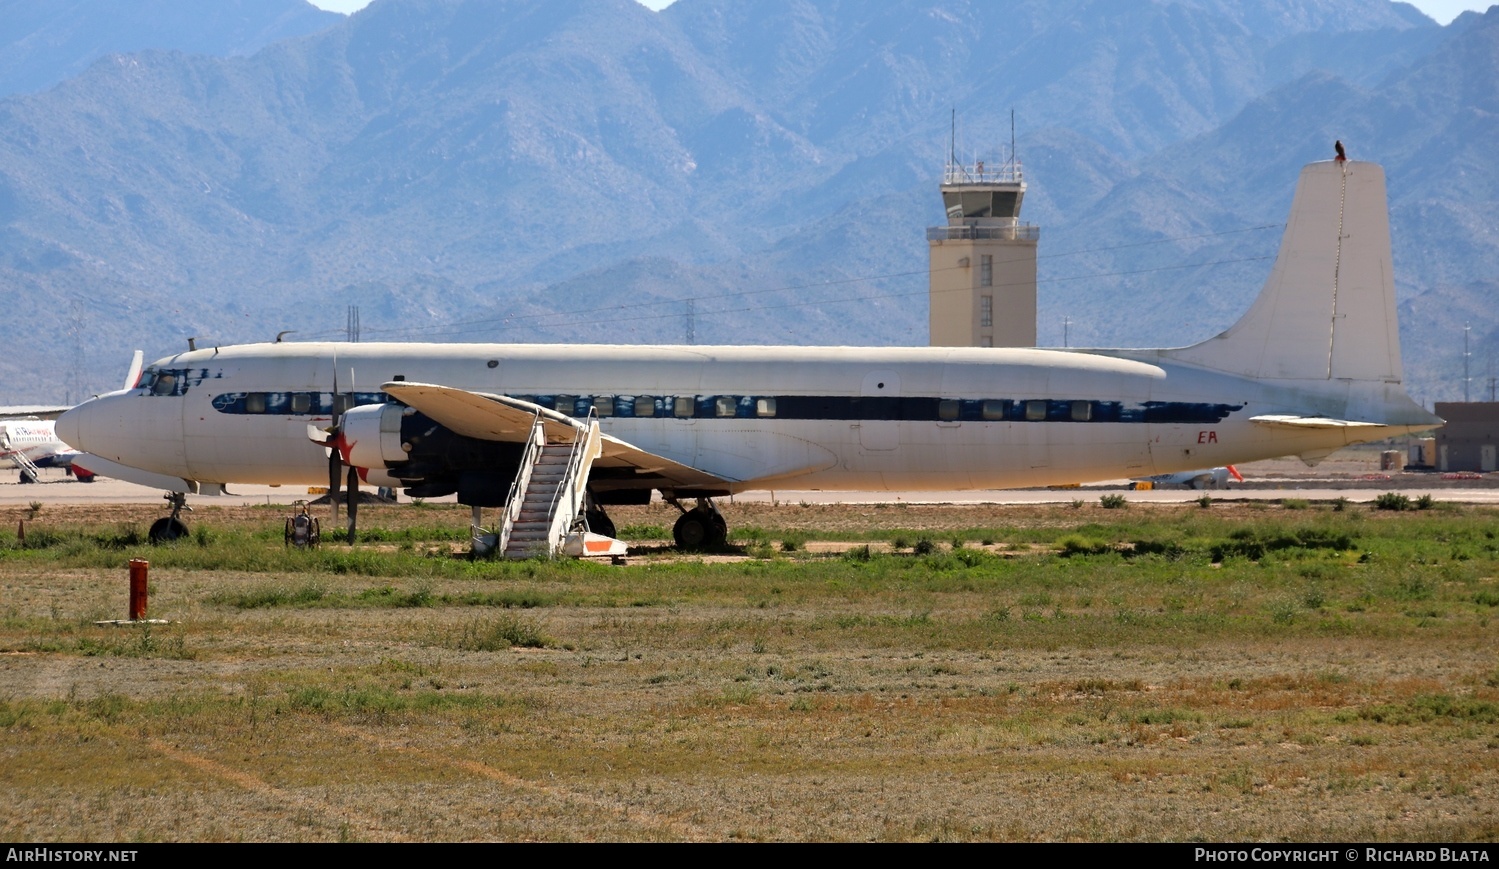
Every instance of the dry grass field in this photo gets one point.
(1291, 671)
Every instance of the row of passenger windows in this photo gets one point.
(818, 407)
(770, 407)
(295, 403)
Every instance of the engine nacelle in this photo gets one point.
(380, 479)
(399, 445)
(373, 433)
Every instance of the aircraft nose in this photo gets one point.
(70, 427)
(82, 427)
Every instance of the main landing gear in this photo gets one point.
(702, 527)
(170, 528)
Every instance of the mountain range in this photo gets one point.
(722, 171)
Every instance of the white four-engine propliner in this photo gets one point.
(1313, 366)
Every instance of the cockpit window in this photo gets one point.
(172, 381)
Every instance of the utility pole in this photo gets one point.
(1066, 328)
(352, 329)
(691, 321)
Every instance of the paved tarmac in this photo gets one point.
(56, 488)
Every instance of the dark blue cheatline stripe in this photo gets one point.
(294, 403)
(813, 407)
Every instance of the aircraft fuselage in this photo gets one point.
(838, 418)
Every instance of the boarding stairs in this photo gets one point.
(544, 514)
(30, 473)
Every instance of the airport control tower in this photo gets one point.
(983, 262)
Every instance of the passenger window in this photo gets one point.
(682, 408)
(994, 408)
(724, 405)
(765, 407)
(1035, 410)
(603, 405)
(1082, 411)
(567, 404)
(947, 408)
(645, 406)
(255, 402)
(301, 402)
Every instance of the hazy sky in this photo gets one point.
(1443, 11)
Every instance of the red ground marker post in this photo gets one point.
(138, 568)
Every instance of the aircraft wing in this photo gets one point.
(503, 418)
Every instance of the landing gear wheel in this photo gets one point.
(600, 523)
(700, 529)
(167, 529)
(691, 530)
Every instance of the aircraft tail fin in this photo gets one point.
(1327, 311)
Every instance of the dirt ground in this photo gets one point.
(765, 701)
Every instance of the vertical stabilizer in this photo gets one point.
(1327, 311)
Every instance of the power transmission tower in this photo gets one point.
(1467, 328)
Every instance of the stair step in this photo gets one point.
(549, 489)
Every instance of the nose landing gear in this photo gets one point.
(170, 528)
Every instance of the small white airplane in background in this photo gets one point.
(1313, 366)
(1211, 478)
(28, 436)
(32, 444)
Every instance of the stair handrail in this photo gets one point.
(25, 461)
(517, 494)
(575, 480)
(17, 453)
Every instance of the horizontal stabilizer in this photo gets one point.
(1310, 422)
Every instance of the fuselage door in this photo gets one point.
(879, 411)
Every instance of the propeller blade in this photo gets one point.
(335, 460)
(353, 501)
(335, 473)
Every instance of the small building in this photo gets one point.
(1470, 439)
